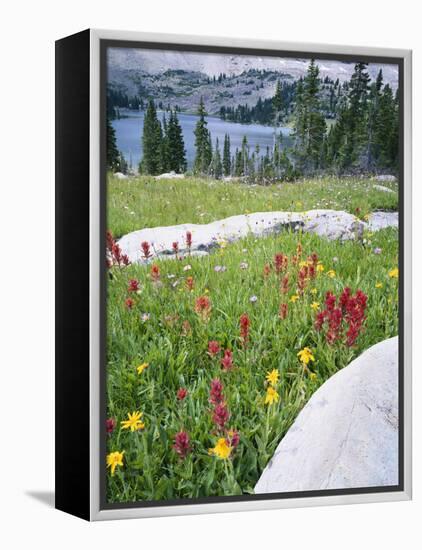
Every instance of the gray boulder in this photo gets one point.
(331, 224)
(347, 434)
(385, 177)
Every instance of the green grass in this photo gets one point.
(178, 358)
(136, 203)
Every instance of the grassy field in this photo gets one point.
(141, 202)
(233, 297)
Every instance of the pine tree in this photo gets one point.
(112, 151)
(175, 147)
(386, 135)
(152, 162)
(226, 156)
(309, 122)
(216, 165)
(202, 142)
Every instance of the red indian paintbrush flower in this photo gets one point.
(302, 279)
(175, 247)
(220, 415)
(155, 272)
(213, 348)
(182, 444)
(284, 287)
(267, 270)
(189, 239)
(233, 438)
(203, 307)
(182, 394)
(190, 283)
(282, 312)
(280, 262)
(245, 324)
(227, 360)
(216, 392)
(349, 313)
(129, 303)
(109, 240)
(110, 425)
(146, 249)
(133, 285)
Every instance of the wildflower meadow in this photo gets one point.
(210, 359)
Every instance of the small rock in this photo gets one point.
(120, 176)
(170, 175)
(385, 177)
(383, 188)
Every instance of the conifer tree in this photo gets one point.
(216, 165)
(202, 142)
(226, 156)
(152, 142)
(112, 151)
(309, 121)
(175, 145)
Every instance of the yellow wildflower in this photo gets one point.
(294, 298)
(331, 273)
(114, 459)
(305, 355)
(272, 377)
(221, 450)
(315, 305)
(314, 291)
(394, 273)
(312, 375)
(320, 268)
(142, 367)
(304, 263)
(271, 396)
(206, 291)
(134, 422)
(378, 285)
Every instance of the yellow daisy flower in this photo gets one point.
(142, 367)
(320, 268)
(271, 396)
(314, 291)
(114, 459)
(134, 422)
(305, 356)
(394, 273)
(221, 450)
(331, 273)
(294, 298)
(273, 377)
(315, 306)
(378, 285)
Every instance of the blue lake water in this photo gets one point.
(129, 134)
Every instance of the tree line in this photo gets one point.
(336, 128)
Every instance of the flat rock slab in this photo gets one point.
(347, 434)
(384, 189)
(381, 220)
(332, 224)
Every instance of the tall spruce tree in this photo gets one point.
(216, 164)
(176, 155)
(309, 122)
(152, 137)
(112, 151)
(203, 145)
(226, 156)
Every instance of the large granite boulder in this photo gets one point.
(332, 224)
(347, 434)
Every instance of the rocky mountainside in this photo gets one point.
(181, 78)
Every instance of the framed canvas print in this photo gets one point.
(233, 274)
